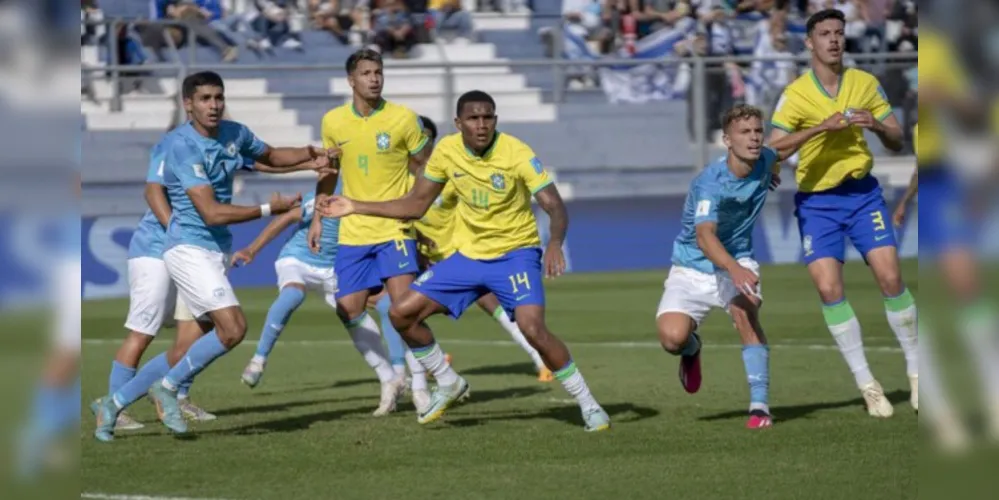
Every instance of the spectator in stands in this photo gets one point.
(280, 22)
(196, 20)
(344, 19)
(874, 13)
(228, 24)
(394, 30)
(583, 19)
(452, 20)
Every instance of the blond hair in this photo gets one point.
(740, 112)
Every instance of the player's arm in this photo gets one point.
(418, 145)
(903, 204)
(271, 231)
(412, 206)
(714, 250)
(284, 160)
(267, 169)
(551, 202)
(787, 143)
(158, 203)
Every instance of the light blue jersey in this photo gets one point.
(193, 160)
(150, 236)
(297, 246)
(716, 195)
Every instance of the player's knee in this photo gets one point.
(890, 282)
(672, 336)
(231, 333)
(830, 291)
(533, 329)
(403, 316)
(134, 346)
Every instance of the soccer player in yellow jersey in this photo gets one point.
(946, 234)
(435, 243)
(497, 248)
(379, 143)
(838, 198)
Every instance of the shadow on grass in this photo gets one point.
(509, 369)
(280, 407)
(620, 413)
(785, 413)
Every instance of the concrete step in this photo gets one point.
(493, 21)
(146, 102)
(247, 87)
(161, 119)
(475, 52)
(435, 84)
(536, 113)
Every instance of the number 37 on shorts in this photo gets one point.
(823, 235)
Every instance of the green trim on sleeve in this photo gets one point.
(419, 148)
(783, 127)
(886, 115)
(438, 180)
(539, 188)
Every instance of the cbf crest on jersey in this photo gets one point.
(499, 182)
(807, 245)
(382, 141)
(231, 149)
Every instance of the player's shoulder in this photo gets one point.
(396, 109)
(800, 85)
(449, 144)
(337, 114)
(862, 78)
(514, 148)
(710, 176)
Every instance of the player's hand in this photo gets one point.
(554, 260)
(241, 258)
(745, 281)
(325, 160)
(837, 121)
(281, 204)
(898, 217)
(335, 207)
(863, 119)
(774, 181)
(315, 235)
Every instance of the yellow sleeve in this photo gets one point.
(942, 69)
(877, 103)
(436, 169)
(412, 134)
(787, 114)
(530, 169)
(326, 130)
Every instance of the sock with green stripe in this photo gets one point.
(500, 316)
(574, 384)
(901, 312)
(432, 358)
(368, 341)
(845, 328)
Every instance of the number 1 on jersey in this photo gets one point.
(362, 162)
(519, 279)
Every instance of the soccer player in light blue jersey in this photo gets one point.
(299, 269)
(200, 160)
(713, 257)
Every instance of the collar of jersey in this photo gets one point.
(488, 151)
(208, 141)
(839, 86)
(381, 106)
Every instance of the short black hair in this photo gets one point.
(824, 15)
(474, 96)
(363, 55)
(201, 79)
(430, 126)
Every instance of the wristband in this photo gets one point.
(265, 210)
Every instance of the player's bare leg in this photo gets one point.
(827, 275)
(678, 337)
(755, 357)
(367, 338)
(900, 308)
(409, 312)
(490, 304)
(531, 320)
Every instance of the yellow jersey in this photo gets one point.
(825, 161)
(437, 225)
(940, 69)
(493, 216)
(374, 165)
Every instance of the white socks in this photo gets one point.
(845, 328)
(902, 317)
(574, 384)
(418, 372)
(432, 358)
(368, 341)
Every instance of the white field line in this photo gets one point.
(501, 343)
(105, 496)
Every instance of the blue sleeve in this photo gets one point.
(248, 164)
(705, 198)
(308, 207)
(187, 165)
(769, 158)
(250, 145)
(157, 165)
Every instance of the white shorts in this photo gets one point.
(151, 296)
(200, 275)
(68, 305)
(695, 293)
(320, 279)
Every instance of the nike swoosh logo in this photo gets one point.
(403, 264)
(522, 297)
(458, 174)
(879, 238)
(341, 143)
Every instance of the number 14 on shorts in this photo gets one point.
(519, 279)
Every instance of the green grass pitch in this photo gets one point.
(306, 431)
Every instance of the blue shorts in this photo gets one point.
(457, 281)
(365, 267)
(943, 223)
(855, 209)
